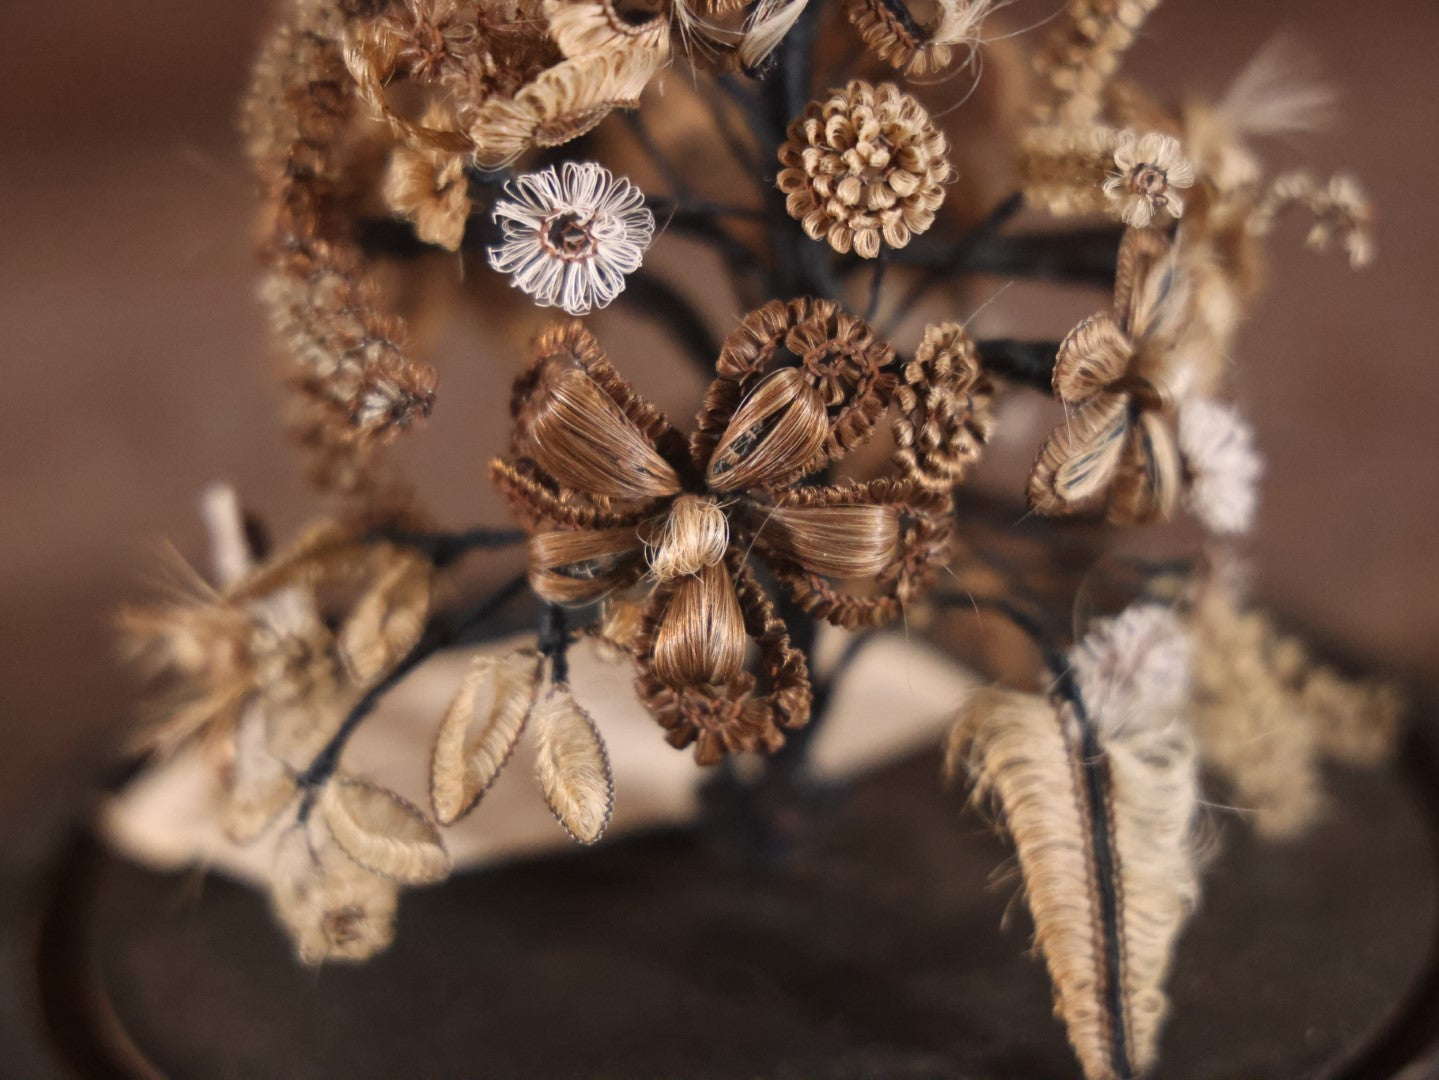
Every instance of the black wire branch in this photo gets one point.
(733, 140)
(803, 267)
(658, 300)
(1027, 362)
(1084, 256)
(438, 636)
(1028, 622)
(554, 642)
(876, 283)
(671, 173)
(956, 255)
(738, 91)
(444, 548)
(704, 220)
(689, 209)
(489, 178)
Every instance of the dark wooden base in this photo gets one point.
(874, 950)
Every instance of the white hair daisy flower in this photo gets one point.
(1147, 171)
(571, 236)
(1224, 466)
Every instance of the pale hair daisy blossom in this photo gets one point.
(571, 236)
(1223, 465)
(1135, 665)
(1147, 170)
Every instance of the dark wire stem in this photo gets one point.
(671, 174)
(744, 153)
(737, 90)
(1032, 626)
(876, 283)
(789, 762)
(1083, 256)
(489, 178)
(955, 258)
(1078, 258)
(1028, 362)
(656, 299)
(437, 636)
(444, 548)
(803, 267)
(554, 642)
(392, 238)
(699, 209)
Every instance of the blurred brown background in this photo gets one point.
(136, 366)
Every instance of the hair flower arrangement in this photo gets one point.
(385, 133)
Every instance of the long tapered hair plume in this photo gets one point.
(1098, 791)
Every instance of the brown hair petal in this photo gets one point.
(732, 718)
(1148, 286)
(562, 103)
(775, 437)
(699, 639)
(564, 345)
(577, 567)
(835, 541)
(924, 524)
(836, 353)
(1081, 457)
(580, 27)
(535, 499)
(1093, 356)
(1150, 474)
(581, 437)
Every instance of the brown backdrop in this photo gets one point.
(135, 358)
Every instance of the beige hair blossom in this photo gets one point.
(864, 166)
(1148, 169)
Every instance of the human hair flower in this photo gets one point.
(1147, 170)
(1113, 375)
(944, 403)
(429, 186)
(571, 235)
(864, 165)
(615, 498)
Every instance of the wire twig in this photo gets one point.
(443, 548)
(1028, 362)
(437, 636)
(662, 303)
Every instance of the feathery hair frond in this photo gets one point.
(1101, 806)
(1280, 91)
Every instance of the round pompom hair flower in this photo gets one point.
(864, 166)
